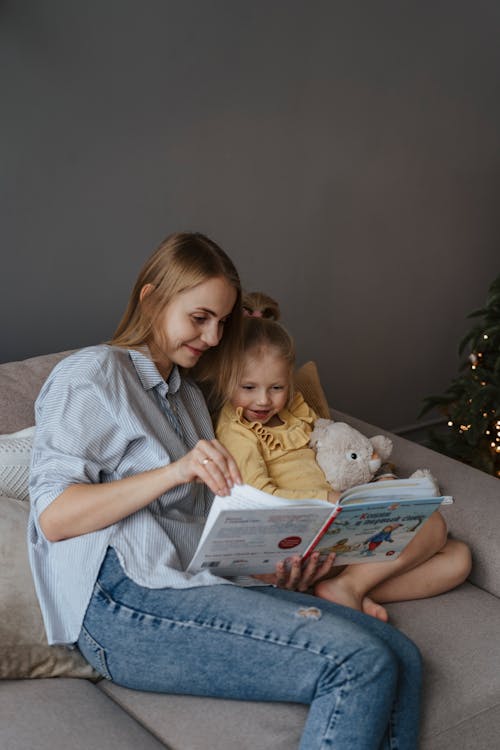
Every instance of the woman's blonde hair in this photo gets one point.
(262, 330)
(182, 261)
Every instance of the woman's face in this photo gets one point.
(191, 323)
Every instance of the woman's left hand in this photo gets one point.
(296, 577)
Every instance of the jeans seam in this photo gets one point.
(99, 652)
(212, 626)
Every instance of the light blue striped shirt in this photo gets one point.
(106, 413)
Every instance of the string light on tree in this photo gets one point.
(472, 401)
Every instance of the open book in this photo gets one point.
(249, 531)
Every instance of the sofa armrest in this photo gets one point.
(475, 514)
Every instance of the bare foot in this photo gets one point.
(336, 590)
(375, 610)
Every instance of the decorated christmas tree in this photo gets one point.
(471, 403)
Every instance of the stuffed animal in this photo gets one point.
(346, 456)
(349, 458)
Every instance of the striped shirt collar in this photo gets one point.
(149, 374)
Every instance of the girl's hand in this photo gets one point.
(211, 463)
(295, 577)
(333, 496)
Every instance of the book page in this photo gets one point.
(243, 540)
(417, 487)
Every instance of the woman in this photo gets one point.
(124, 469)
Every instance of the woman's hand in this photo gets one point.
(296, 577)
(211, 463)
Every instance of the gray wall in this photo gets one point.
(346, 154)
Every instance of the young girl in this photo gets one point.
(266, 426)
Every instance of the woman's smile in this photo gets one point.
(197, 351)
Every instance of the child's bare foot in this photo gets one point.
(370, 607)
(338, 591)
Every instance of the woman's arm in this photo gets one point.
(82, 508)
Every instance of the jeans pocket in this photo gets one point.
(94, 653)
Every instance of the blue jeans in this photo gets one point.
(360, 676)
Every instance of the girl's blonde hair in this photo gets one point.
(260, 305)
(182, 261)
(262, 329)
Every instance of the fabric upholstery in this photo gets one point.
(66, 715)
(457, 634)
(20, 383)
(24, 651)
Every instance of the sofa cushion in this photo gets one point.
(66, 715)
(20, 383)
(15, 454)
(457, 634)
(24, 651)
(226, 724)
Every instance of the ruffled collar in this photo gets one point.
(292, 434)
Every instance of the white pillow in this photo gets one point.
(15, 457)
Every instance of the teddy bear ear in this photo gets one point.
(320, 427)
(383, 446)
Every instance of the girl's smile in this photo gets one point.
(264, 387)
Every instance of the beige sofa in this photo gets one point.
(63, 706)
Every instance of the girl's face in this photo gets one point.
(192, 322)
(264, 386)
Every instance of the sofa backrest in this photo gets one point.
(20, 383)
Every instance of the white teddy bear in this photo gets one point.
(347, 457)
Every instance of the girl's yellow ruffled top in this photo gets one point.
(278, 459)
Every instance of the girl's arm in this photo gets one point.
(82, 508)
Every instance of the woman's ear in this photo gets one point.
(145, 291)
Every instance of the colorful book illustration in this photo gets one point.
(249, 531)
